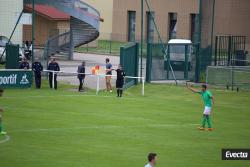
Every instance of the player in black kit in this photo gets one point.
(120, 80)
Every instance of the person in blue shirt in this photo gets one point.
(53, 66)
(108, 75)
(37, 68)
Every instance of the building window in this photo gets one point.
(172, 25)
(131, 26)
(150, 27)
(194, 28)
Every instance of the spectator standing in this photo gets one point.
(81, 75)
(37, 68)
(24, 64)
(53, 66)
(108, 75)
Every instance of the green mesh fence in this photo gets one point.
(155, 63)
(186, 64)
(182, 57)
(229, 76)
(129, 60)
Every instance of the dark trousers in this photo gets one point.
(38, 80)
(80, 83)
(119, 87)
(119, 84)
(51, 79)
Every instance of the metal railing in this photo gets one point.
(229, 47)
(84, 18)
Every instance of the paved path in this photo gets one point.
(91, 61)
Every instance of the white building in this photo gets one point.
(9, 12)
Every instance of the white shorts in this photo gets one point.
(207, 110)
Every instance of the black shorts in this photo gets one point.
(119, 83)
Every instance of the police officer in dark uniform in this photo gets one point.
(81, 75)
(24, 64)
(37, 68)
(53, 66)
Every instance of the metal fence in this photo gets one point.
(234, 77)
(182, 57)
(108, 43)
(129, 59)
(230, 49)
(102, 46)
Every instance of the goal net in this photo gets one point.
(229, 76)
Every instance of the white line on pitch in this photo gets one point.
(16, 97)
(97, 96)
(103, 127)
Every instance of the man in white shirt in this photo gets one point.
(151, 160)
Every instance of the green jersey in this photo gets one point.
(207, 98)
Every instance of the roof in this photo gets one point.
(48, 12)
(179, 41)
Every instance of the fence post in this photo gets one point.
(229, 50)
(143, 86)
(215, 52)
(98, 84)
(136, 60)
(197, 70)
(149, 62)
(232, 76)
(53, 79)
(46, 57)
(71, 50)
(168, 61)
(244, 43)
(186, 63)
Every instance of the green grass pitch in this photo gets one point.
(67, 129)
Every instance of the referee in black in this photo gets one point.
(120, 80)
